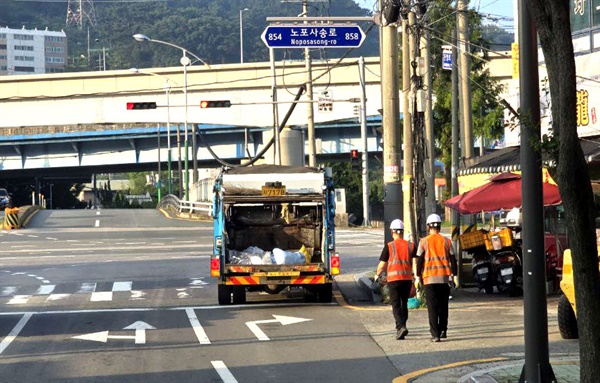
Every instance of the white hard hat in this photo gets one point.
(397, 225)
(433, 219)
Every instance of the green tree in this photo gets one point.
(487, 111)
(552, 19)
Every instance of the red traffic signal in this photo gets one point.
(141, 105)
(215, 104)
(354, 153)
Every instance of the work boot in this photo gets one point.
(443, 335)
(400, 334)
(435, 339)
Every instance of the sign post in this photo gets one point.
(308, 36)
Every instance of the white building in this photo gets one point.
(31, 51)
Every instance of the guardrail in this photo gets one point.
(188, 209)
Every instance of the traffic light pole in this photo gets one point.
(365, 149)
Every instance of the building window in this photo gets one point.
(28, 69)
(2, 57)
(23, 58)
(55, 60)
(3, 47)
(3, 67)
(23, 37)
(55, 49)
(24, 48)
(3, 36)
(54, 39)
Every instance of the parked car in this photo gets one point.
(4, 199)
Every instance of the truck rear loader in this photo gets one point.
(278, 210)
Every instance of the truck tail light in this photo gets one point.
(215, 264)
(335, 264)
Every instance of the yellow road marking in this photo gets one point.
(415, 374)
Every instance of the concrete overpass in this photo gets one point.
(78, 122)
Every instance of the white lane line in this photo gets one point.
(32, 236)
(14, 332)
(45, 290)
(52, 238)
(19, 300)
(122, 286)
(198, 330)
(223, 371)
(101, 296)
(98, 212)
(97, 223)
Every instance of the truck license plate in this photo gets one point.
(271, 191)
(283, 273)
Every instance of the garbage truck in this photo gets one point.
(274, 229)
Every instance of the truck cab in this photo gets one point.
(273, 229)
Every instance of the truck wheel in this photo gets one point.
(567, 322)
(239, 295)
(224, 292)
(325, 293)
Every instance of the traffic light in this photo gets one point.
(215, 104)
(355, 159)
(141, 105)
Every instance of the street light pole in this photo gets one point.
(242, 36)
(185, 61)
(167, 88)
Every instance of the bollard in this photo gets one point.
(11, 218)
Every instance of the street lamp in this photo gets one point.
(103, 66)
(167, 89)
(185, 61)
(242, 36)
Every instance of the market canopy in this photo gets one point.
(503, 192)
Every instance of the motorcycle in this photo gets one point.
(483, 273)
(508, 272)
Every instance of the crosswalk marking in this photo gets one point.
(45, 290)
(122, 286)
(101, 296)
(19, 299)
(120, 290)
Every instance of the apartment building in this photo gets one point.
(25, 51)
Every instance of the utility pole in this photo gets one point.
(312, 155)
(406, 124)
(392, 142)
(365, 149)
(537, 368)
(465, 70)
(455, 156)
(430, 206)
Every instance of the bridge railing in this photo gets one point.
(188, 209)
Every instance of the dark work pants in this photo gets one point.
(399, 292)
(437, 296)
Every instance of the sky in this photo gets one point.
(502, 10)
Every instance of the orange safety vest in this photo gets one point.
(400, 263)
(436, 268)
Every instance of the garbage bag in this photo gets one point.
(414, 303)
(283, 257)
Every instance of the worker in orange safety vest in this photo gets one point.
(397, 259)
(436, 266)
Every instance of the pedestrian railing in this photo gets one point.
(175, 206)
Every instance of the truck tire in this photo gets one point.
(567, 321)
(224, 293)
(325, 293)
(239, 295)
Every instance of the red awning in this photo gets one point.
(503, 192)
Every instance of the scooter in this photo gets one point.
(483, 273)
(508, 272)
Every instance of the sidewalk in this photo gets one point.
(500, 368)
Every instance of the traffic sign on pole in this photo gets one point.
(308, 36)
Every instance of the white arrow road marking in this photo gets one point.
(223, 371)
(103, 337)
(198, 330)
(284, 320)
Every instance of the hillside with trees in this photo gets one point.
(207, 28)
